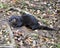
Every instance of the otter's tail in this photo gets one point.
(47, 28)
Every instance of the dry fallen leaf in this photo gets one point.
(14, 1)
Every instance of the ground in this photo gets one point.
(45, 13)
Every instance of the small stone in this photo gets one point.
(38, 11)
(36, 0)
(51, 46)
(48, 4)
(36, 30)
(15, 37)
(34, 43)
(0, 33)
(4, 26)
(51, 26)
(19, 39)
(44, 14)
(43, 46)
(8, 42)
(50, 7)
(27, 2)
(7, 38)
(44, 2)
(21, 42)
(17, 31)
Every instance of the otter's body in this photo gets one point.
(30, 21)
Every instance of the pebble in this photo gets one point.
(21, 42)
(34, 43)
(0, 33)
(43, 46)
(8, 42)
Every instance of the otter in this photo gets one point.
(28, 21)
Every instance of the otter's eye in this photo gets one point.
(13, 21)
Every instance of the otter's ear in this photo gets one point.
(22, 13)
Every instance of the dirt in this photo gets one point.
(46, 38)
